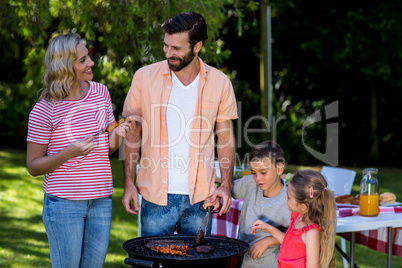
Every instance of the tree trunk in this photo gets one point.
(264, 83)
(374, 125)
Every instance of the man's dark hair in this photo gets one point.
(268, 149)
(191, 22)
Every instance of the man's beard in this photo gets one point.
(186, 60)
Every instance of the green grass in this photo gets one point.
(23, 241)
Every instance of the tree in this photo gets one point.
(326, 51)
(323, 51)
(122, 36)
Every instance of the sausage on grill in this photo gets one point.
(169, 247)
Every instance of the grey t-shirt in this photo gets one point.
(273, 210)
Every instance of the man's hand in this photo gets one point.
(226, 149)
(222, 193)
(130, 194)
(208, 203)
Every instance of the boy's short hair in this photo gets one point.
(268, 149)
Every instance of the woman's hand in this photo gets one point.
(126, 128)
(131, 125)
(82, 147)
(39, 163)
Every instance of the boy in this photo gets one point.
(264, 194)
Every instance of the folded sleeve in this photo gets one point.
(227, 106)
(132, 104)
(39, 125)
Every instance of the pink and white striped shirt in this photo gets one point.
(60, 123)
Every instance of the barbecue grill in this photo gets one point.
(229, 253)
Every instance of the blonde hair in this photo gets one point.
(310, 189)
(59, 60)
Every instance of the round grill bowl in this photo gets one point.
(229, 253)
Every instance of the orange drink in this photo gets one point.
(369, 205)
(246, 172)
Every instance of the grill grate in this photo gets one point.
(224, 247)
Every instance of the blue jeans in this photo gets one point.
(178, 214)
(78, 230)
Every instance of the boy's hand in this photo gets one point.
(260, 225)
(257, 249)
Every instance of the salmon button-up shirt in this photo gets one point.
(148, 98)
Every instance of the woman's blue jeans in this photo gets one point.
(78, 230)
(178, 215)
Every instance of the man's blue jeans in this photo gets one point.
(178, 214)
(78, 230)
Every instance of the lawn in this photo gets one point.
(23, 241)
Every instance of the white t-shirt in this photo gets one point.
(179, 117)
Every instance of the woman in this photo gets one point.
(67, 145)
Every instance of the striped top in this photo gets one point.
(60, 123)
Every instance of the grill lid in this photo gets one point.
(224, 247)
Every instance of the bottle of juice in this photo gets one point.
(369, 200)
(246, 169)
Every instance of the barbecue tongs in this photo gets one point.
(199, 237)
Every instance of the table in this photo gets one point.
(356, 224)
(373, 232)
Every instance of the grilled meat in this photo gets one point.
(199, 237)
(205, 249)
(169, 247)
(169, 251)
(115, 125)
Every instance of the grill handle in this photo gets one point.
(140, 263)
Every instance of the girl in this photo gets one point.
(67, 145)
(310, 239)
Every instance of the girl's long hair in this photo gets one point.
(310, 189)
(59, 60)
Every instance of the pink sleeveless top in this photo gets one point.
(293, 250)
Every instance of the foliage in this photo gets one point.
(323, 51)
(122, 36)
(347, 52)
(326, 51)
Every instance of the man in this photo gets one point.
(180, 102)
